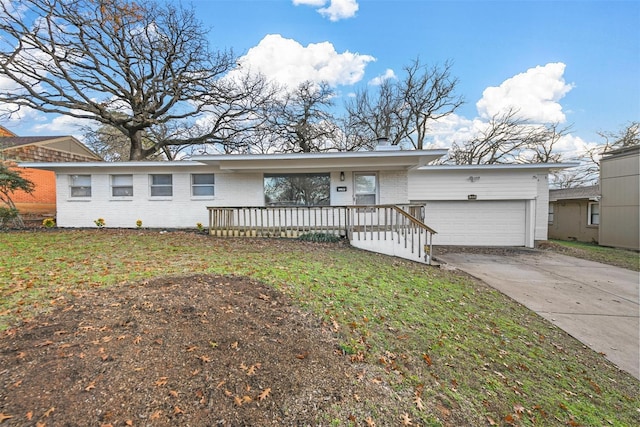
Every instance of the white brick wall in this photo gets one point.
(178, 211)
(393, 187)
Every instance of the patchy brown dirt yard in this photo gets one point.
(187, 351)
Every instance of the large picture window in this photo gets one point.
(297, 189)
(80, 185)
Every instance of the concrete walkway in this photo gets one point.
(597, 304)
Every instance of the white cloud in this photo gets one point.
(289, 63)
(535, 93)
(388, 74)
(65, 125)
(337, 9)
(310, 2)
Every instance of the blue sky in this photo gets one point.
(577, 62)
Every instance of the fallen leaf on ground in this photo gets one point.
(418, 401)
(264, 394)
(427, 359)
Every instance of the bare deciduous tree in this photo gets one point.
(588, 172)
(507, 138)
(133, 65)
(302, 120)
(402, 110)
(628, 136)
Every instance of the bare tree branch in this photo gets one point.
(133, 65)
(402, 110)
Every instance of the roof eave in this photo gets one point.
(326, 161)
(518, 166)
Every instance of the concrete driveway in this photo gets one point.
(597, 304)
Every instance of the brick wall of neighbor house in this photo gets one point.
(42, 201)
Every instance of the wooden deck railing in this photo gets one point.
(392, 229)
(284, 221)
(401, 226)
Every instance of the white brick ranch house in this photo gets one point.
(375, 198)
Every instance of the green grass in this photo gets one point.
(455, 343)
(611, 256)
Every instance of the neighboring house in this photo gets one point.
(574, 214)
(42, 202)
(365, 195)
(620, 205)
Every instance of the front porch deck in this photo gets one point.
(396, 230)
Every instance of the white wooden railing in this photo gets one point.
(396, 230)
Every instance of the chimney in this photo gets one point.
(382, 144)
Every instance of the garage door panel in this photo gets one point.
(477, 223)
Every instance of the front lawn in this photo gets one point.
(452, 350)
(612, 256)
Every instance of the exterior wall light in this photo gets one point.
(341, 176)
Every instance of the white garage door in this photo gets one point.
(477, 223)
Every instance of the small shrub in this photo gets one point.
(100, 222)
(49, 222)
(8, 215)
(139, 223)
(319, 238)
(199, 226)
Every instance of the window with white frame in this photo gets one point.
(550, 217)
(594, 213)
(161, 185)
(80, 185)
(299, 189)
(366, 188)
(203, 184)
(122, 185)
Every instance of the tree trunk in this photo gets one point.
(137, 152)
